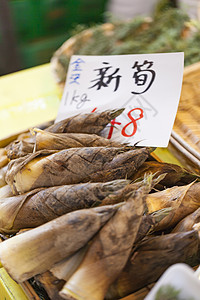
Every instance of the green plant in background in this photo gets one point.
(162, 34)
(169, 30)
(164, 5)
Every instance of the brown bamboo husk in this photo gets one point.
(35, 251)
(174, 174)
(3, 157)
(19, 148)
(109, 251)
(183, 200)
(25, 136)
(10, 208)
(92, 123)
(196, 226)
(151, 258)
(123, 194)
(44, 140)
(3, 172)
(150, 222)
(5, 192)
(50, 284)
(72, 166)
(187, 223)
(65, 268)
(60, 141)
(39, 206)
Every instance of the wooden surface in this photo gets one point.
(185, 139)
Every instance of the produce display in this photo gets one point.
(83, 217)
(168, 30)
(88, 218)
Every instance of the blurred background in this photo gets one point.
(31, 30)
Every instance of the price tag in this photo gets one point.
(148, 86)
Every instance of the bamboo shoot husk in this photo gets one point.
(23, 144)
(174, 174)
(85, 123)
(5, 192)
(19, 148)
(3, 172)
(65, 268)
(3, 157)
(42, 205)
(187, 223)
(124, 193)
(150, 222)
(109, 251)
(44, 140)
(183, 200)
(196, 226)
(9, 210)
(50, 284)
(72, 166)
(37, 250)
(152, 257)
(60, 141)
(24, 136)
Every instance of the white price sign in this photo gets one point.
(148, 86)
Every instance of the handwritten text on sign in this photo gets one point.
(148, 86)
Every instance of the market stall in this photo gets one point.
(85, 216)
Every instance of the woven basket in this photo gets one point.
(185, 138)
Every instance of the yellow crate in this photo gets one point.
(28, 98)
(9, 289)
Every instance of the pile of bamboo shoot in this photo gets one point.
(102, 218)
